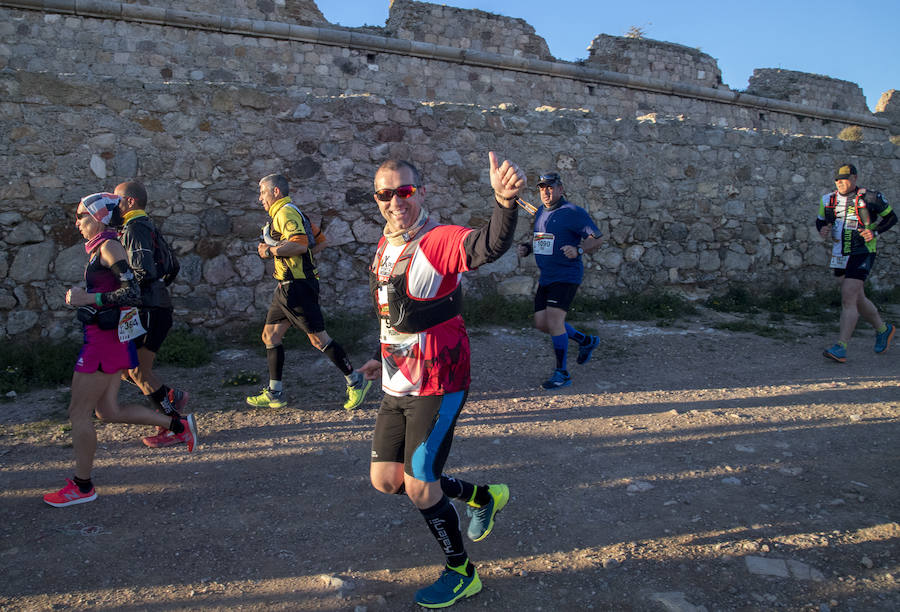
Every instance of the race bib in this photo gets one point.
(839, 262)
(542, 244)
(130, 325)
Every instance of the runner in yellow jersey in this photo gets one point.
(292, 240)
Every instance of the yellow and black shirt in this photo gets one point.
(288, 223)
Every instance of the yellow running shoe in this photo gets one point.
(357, 395)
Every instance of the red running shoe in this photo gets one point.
(163, 437)
(189, 435)
(70, 495)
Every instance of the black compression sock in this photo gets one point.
(335, 352)
(443, 522)
(176, 426)
(482, 496)
(275, 360)
(83, 485)
(457, 489)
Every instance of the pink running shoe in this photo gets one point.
(163, 437)
(70, 495)
(189, 435)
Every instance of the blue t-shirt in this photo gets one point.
(554, 229)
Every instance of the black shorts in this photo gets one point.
(157, 322)
(298, 302)
(858, 267)
(555, 295)
(418, 431)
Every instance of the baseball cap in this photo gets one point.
(844, 171)
(548, 179)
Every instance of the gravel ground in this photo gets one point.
(686, 469)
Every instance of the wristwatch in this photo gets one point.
(580, 251)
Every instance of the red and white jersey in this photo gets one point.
(436, 361)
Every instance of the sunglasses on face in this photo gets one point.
(403, 192)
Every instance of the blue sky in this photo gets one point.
(853, 41)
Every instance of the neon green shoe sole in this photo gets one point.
(482, 519)
(267, 399)
(449, 588)
(357, 395)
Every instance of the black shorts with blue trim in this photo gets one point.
(417, 431)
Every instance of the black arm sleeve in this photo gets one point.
(820, 223)
(887, 222)
(490, 242)
(128, 293)
(137, 238)
(528, 248)
(878, 205)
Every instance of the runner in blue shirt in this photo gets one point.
(563, 232)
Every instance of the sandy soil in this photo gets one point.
(685, 469)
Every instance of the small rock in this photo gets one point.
(639, 487)
(866, 562)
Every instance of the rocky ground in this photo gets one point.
(686, 469)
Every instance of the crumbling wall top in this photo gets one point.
(808, 89)
(465, 29)
(654, 59)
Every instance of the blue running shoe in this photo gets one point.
(585, 350)
(883, 340)
(558, 380)
(836, 352)
(482, 519)
(450, 588)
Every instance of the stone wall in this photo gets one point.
(303, 12)
(654, 59)
(465, 29)
(693, 191)
(807, 89)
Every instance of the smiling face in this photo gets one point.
(400, 213)
(86, 223)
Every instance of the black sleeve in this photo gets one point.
(128, 293)
(820, 223)
(137, 238)
(887, 222)
(878, 205)
(490, 242)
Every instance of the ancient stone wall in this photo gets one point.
(303, 12)
(465, 29)
(693, 188)
(807, 89)
(654, 59)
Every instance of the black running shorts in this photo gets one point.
(417, 431)
(555, 295)
(298, 302)
(157, 322)
(858, 267)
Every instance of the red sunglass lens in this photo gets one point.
(403, 191)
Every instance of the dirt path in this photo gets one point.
(685, 469)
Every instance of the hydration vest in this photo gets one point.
(406, 314)
(832, 203)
